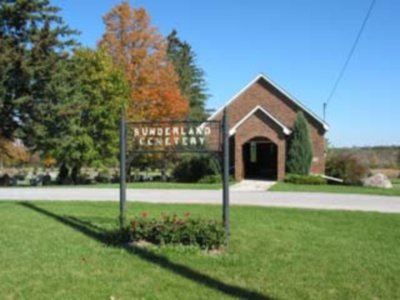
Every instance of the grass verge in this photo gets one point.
(340, 189)
(143, 185)
(163, 185)
(54, 250)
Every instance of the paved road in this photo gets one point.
(277, 199)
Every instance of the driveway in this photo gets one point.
(384, 204)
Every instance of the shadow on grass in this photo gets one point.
(102, 236)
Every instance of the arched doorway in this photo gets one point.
(260, 159)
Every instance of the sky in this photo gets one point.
(301, 45)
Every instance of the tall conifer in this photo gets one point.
(191, 76)
(34, 41)
(300, 152)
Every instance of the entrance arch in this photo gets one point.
(260, 159)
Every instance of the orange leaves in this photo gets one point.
(13, 151)
(140, 51)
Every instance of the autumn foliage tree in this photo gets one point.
(141, 52)
(12, 152)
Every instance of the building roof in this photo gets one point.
(281, 90)
(285, 130)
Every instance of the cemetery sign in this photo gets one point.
(176, 136)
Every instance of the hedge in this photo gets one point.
(305, 179)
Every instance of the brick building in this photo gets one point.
(261, 116)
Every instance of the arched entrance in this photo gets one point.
(260, 159)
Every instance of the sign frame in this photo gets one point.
(222, 152)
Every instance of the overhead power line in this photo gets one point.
(349, 56)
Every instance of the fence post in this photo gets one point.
(122, 171)
(225, 210)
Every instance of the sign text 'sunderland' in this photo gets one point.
(171, 135)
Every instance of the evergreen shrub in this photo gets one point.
(194, 167)
(300, 152)
(305, 179)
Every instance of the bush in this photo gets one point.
(5, 180)
(63, 174)
(46, 180)
(170, 229)
(115, 178)
(211, 179)
(305, 179)
(103, 177)
(347, 167)
(193, 168)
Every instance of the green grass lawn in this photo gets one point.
(290, 187)
(54, 250)
(144, 185)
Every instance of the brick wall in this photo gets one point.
(259, 125)
(267, 96)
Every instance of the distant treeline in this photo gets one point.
(375, 157)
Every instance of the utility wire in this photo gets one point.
(353, 48)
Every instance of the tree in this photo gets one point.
(300, 153)
(141, 52)
(191, 77)
(34, 41)
(12, 152)
(84, 131)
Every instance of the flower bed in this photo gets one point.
(171, 229)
